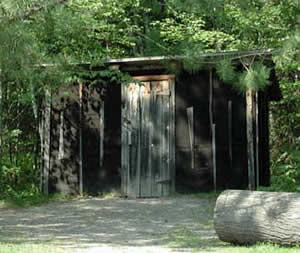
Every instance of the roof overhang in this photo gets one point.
(153, 59)
(206, 58)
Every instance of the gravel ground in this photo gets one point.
(113, 225)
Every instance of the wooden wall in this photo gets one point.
(64, 141)
(78, 157)
(201, 95)
(211, 101)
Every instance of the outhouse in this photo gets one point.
(167, 130)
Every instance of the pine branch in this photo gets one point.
(35, 9)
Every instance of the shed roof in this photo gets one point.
(156, 62)
(153, 59)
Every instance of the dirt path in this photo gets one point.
(114, 225)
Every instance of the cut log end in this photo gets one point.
(248, 217)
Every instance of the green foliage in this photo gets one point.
(285, 171)
(285, 136)
(226, 71)
(18, 178)
(256, 76)
(287, 59)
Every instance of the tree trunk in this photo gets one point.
(247, 217)
(46, 141)
(39, 134)
(250, 137)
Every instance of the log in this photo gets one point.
(248, 217)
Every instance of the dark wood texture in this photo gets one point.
(263, 132)
(64, 155)
(166, 140)
(192, 91)
(92, 116)
(210, 99)
(247, 217)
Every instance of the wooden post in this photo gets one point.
(172, 133)
(80, 139)
(257, 138)
(250, 138)
(230, 132)
(211, 116)
(213, 130)
(138, 175)
(214, 156)
(61, 134)
(101, 144)
(190, 115)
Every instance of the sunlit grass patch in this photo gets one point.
(184, 238)
(32, 200)
(31, 248)
(111, 194)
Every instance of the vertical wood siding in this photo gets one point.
(147, 125)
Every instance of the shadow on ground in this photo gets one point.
(87, 223)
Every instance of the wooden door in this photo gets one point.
(148, 152)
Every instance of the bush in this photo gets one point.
(286, 171)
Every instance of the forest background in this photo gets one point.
(64, 33)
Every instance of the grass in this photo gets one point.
(32, 200)
(111, 194)
(18, 201)
(31, 248)
(183, 238)
(202, 195)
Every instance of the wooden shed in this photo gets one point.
(166, 131)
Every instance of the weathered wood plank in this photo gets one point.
(172, 134)
(80, 139)
(150, 143)
(133, 118)
(190, 116)
(42, 141)
(61, 146)
(124, 144)
(211, 113)
(153, 78)
(101, 134)
(214, 162)
(257, 136)
(230, 132)
(148, 112)
(145, 181)
(156, 189)
(139, 130)
(165, 142)
(250, 138)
